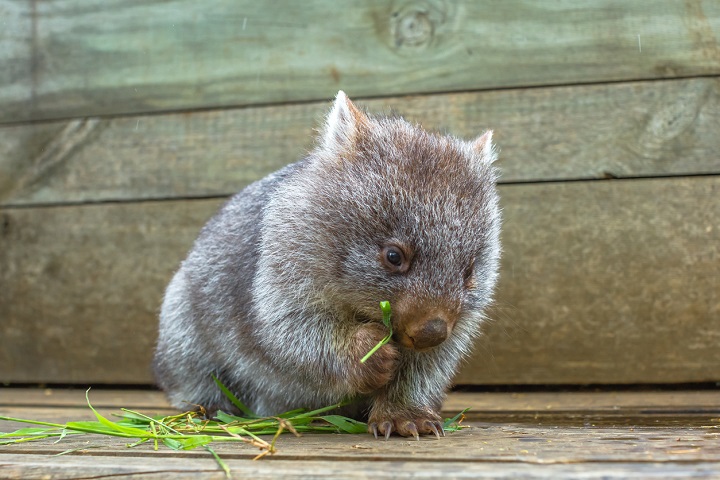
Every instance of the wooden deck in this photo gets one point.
(643, 434)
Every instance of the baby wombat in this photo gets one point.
(279, 296)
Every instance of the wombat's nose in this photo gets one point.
(432, 333)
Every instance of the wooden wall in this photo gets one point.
(124, 124)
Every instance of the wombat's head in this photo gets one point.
(383, 210)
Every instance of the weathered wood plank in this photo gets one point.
(545, 438)
(599, 402)
(75, 397)
(52, 468)
(482, 442)
(92, 279)
(16, 54)
(542, 447)
(621, 130)
(606, 281)
(66, 58)
(602, 282)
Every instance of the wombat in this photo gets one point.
(279, 296)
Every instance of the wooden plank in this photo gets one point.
(16, 54)
(482, 442)
(666, 128)
(80, 288)
(75, 397)
(558, 440)
(602, 282)
(601, 402)
(539, 447)
(50, 468)
(681, 408)
(108, 57)
(606, 282)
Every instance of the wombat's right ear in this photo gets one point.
(342, 124)
(483, 145)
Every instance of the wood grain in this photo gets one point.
(74, 59)
(600, 402)
(602, 282)
(51, 468)
(80, 287)
(614, 439)
(593, 131)
(606, 282)
(496, 441)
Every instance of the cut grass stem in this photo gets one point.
(386, 312)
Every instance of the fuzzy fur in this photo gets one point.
(279, 294)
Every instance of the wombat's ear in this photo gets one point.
(483, 146)
(342, 124)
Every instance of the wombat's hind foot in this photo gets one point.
(426, 423)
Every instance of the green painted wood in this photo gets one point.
(602, 282)
(66, 59)
(592, 131)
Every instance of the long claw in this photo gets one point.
(374, 429)
(441, 428)
(434, 429)
(388, 429)
(413, 430)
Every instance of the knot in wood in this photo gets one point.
(414, 25)
(413, 30)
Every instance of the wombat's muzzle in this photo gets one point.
(425, 334)
(431, 333)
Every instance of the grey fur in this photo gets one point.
(280, 281)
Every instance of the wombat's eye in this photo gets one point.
(468, 279)
(394, 259)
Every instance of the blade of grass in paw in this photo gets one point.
(385, 307)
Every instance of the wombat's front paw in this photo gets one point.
(408, 423)
(377, 370)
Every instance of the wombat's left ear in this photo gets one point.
(483, 145)
(342, 124)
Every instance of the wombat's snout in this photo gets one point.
(431, 333)
(425, 334)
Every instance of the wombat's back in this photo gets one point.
(204, 318)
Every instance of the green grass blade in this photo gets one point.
(172, 443)
(233, 399)
(347, 425)
(27, 432)
(292, 413)
(149, 420)
(219, 461)
(228, 418)
(385, 307)
(452, 425)
(62, 435)
(136, 432)
(193, 441)
(79, 449)
(316, 413)
(382, 342)
(386, 311)
(31, 422)
(99, 428)
(31, 438)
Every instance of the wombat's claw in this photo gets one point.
(431, 425)
(388, 427)
(373, 426)
(412, 429)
